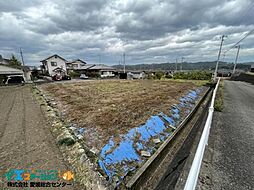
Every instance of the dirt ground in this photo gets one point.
(25, 138)
(108, 108)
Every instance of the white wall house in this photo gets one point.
(54, 64)
(107, 74)
(135, 75)
(103, 70)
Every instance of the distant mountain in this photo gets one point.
(185, 66)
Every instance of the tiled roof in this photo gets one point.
(8, 70)
(53, 56)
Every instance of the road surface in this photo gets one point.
(25, 138)
(229, 157)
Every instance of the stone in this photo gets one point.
(83, 158)
(81, 150)
(156, 141)
(79, 137)
(145, 153)
(81, 131)
(48, 108)
(173, 127)
(94, 150)
(53, 104)
(73, 128)
(67, 140)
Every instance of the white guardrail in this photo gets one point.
(196, 164)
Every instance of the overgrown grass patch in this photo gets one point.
(195, 82)
(218, 104)
(107, 108)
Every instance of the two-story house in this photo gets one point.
(74, 65)
(54, 64)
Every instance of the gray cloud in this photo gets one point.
(17, 5)
(148, 31)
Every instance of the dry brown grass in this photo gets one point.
(112, 107)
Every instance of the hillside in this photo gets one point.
(185, 66)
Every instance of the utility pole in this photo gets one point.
(176, 65)
(124, 62)
(216, 68)
(236, 57)
(21, 54)
(182, 63)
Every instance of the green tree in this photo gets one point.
(14, 61)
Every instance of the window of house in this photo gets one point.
(53, 64)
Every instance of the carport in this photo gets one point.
(6, 71)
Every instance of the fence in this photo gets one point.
(196, 164)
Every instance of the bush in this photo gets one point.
(74, 74)
(194, 75)
(93, 75)
(218, 104)
(159, 75)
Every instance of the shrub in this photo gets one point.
(74, 74)
(159, 75)
(194, 75)
(93, 75)
(218, 104)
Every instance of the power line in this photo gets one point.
(249, 7)
(248, 34)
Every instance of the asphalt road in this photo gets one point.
(25, 138)
(229, 157)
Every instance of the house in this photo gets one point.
(4, 61)
(93, 70)
(136, 75)
(4, 70)
(8, 71)
(76, 64)
(103, 70)
(54, 64)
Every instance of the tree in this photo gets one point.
(14, 61)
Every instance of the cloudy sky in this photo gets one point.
(148, 31)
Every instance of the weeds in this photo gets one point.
(218, 105)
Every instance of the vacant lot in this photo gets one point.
(112, 107)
